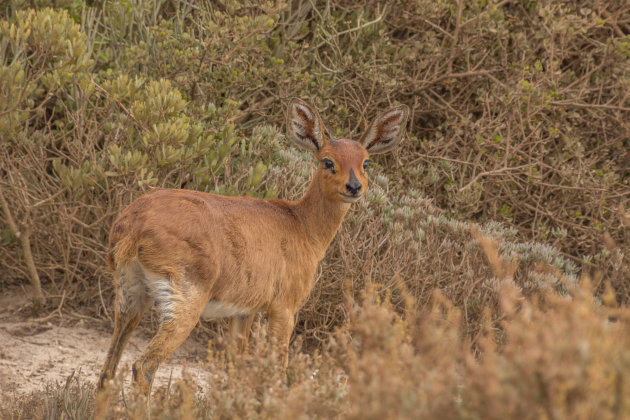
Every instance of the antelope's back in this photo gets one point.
(231, 246)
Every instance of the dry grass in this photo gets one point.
(552, 357)
(453, 290)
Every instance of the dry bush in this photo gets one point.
(75, 151)
(559, 357)
(519, 123)
(72, 399)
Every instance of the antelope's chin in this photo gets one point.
(350, 198)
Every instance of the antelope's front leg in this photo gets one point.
(281, 322)
(239, 328)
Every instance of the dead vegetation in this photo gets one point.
(519, 124)
(552, 357)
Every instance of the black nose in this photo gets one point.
(353, 187)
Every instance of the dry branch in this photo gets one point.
(23, 236)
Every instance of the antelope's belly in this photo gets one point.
(215, 309)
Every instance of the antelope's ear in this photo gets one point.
(386, 131)
(304, 126)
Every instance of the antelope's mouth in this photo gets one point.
(350, 198)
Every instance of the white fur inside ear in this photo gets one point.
(386, 131)
(307, 112)
(305, 127)
(389, 126)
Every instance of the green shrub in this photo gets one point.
(518, 124)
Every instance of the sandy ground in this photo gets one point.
(34, 354)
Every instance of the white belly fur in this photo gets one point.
(215, 309)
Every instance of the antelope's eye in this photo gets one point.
(365, 163)
(329, 164)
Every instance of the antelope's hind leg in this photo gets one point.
(179, 312)
(131, 302)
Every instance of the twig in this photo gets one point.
(88, 318)
(460, 7)
(120, 104)
(473, 19)
(100, 294)
(356, 28)
(46, 200)
(24, 237)
(239, 44)
(55, 312)
(583, 105)
(426, 83)
(246, 114)
(438, 27)
(495, 172)
(429, 157)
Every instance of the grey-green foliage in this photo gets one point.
(147, 126)
(158, 137)
(99, 103)
(43, 55)
(82, 142)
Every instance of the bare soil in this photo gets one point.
(35, 353)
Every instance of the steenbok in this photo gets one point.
(196, 254)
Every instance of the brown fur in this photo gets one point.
(188, 250)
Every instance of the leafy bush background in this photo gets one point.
(519, 123)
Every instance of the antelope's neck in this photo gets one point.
(321, 216)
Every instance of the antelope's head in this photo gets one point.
(343, 162)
